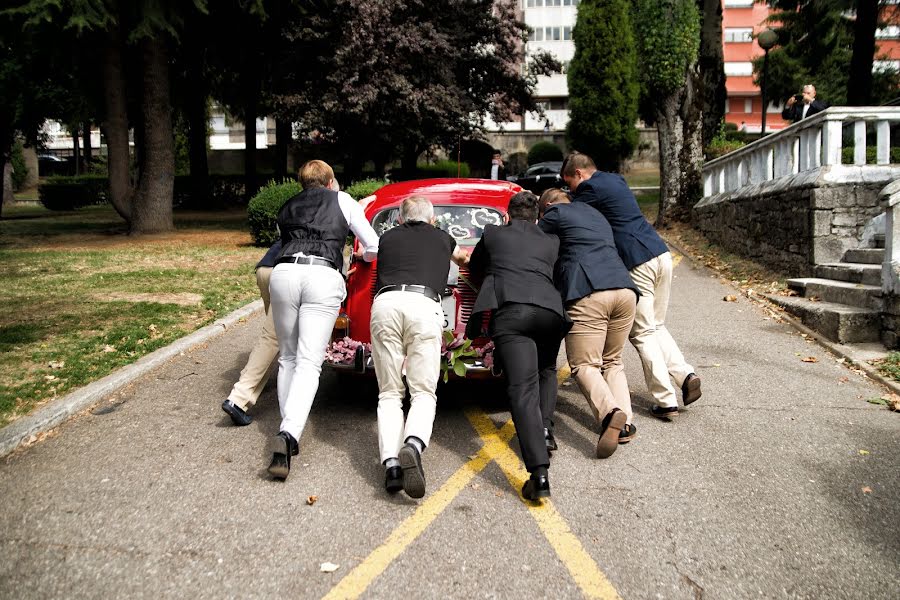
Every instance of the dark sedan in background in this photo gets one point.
(540, 176)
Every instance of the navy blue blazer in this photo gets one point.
(588, 261)
(636, 240)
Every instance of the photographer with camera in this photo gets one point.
(802, 105)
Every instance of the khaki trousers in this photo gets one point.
(405, 326)
(601, 323)
(660, 356)
(253, 378)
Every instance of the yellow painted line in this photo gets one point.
(361, 577)
(568, 548)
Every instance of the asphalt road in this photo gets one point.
(781, 482)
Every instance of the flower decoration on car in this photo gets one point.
(343, 351)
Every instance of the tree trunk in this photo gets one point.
(712, 68)
(153, 202)
(197, 120)
(86, 132)
(670, 129)
(115, 127)
(250, 105)
(691, 158)
(283, 136)
(76, 153)
(8, 196)
(859, 85)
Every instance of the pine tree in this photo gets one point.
(603, 84)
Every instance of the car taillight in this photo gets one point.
(341, 327)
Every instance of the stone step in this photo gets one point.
(837, 322)
(879, 240)
(852, 272)
(870, 256)
(859, 295)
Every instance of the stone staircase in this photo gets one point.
(843, 301)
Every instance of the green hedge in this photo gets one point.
(442, 168)
(69, 193)
(263, 208)
(544, 152)
(363, 188)
(871, 155)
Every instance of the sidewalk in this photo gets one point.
(781, 481)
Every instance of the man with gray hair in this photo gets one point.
(406, 323)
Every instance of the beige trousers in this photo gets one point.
(660, 356)
(601, 323)
(405, 326)
(253, 378)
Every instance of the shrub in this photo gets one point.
(443, 168)
(871, 155)
(725, 141)
(544, 152)
(69, 193)
(19, 169)
(262, 211)
(366, 187)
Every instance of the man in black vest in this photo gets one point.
(307, 289)
(600, 299)
(406, 326)
(527, 325)
(649, 263)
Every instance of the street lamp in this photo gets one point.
(766, 40)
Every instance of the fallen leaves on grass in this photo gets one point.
(107, 348)
(54, 364)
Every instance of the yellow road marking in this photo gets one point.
(581, 566)
(361, 577)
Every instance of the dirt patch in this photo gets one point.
(93, 241)
(184, 299)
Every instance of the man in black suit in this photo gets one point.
(649, 263)
(498, 171)
(527, 324)
(600, 300)
(797, 109)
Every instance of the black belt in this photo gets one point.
(405, 287)
(305, 260)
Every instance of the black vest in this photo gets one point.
(416, 253)
(312, 223)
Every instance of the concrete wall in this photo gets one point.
(793, 223)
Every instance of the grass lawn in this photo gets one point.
(82, 298)
(642, 178)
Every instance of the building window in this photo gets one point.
(536, 35)
(552, 33)
(570, 2)
(738, 34)
(567, 33)
(551, 2)
(891, 32)
(739, 69)
(727, 106)
(748, 105)
(738, 3)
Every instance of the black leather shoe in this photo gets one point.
(613, 423)
(664, 412)
(393, 480)
(537, 486)
(690, 389)
(283, 446)
(627, 434)
(550, 440)
(237, 414)
(413, 473)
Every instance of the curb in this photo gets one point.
(870, 371)
(56, 412)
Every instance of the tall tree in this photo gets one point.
(398, 76)
(712, 68)
(859, 84)
(603, 84)
(668, 33)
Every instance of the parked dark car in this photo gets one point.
(541, 176)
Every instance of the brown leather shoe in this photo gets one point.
(609, 437)
(690, 389)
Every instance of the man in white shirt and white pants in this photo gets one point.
(307, 289)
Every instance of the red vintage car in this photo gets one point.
(462, 208)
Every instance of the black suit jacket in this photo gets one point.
(795, 112)
(588, 260)
(515, 262)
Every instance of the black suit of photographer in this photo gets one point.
(795, 113)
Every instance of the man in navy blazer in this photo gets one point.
(600, 300)
(649, 263)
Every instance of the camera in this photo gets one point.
(798, 97)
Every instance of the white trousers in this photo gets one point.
(305, 301)
(405, 326)
(660, 356)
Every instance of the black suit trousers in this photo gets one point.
(527, 339)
